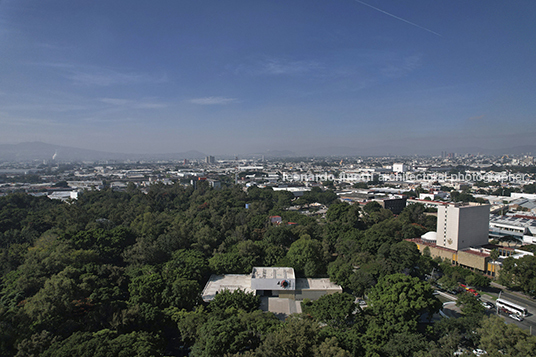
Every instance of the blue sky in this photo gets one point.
(237, 77)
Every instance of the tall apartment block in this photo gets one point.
(209, 160)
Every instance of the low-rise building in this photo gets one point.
(395, 205)
(273, 282)
(516, 226)
(474, 258)
(280, 291)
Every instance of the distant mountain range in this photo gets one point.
(391, 150)
(516, 150)
(42, 151)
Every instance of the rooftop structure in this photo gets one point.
(271, 282)
(395, 205)
(511, 225)
(530, 196)
(230, 282)
(430, 237)
(426, 203)
(273, 279)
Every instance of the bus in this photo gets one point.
(510, 307)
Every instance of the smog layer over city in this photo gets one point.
(267, 178)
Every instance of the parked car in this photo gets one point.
(515, 317)
(487, 305)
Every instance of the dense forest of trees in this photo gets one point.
(121, 274)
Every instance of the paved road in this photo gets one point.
(529, 323)
(529, 303)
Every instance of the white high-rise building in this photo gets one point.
(460, 227)
(399, 168)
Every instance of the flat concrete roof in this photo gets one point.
(316, 284)
(272, 273)
(281, 307)
(243, 282)
(229, 282)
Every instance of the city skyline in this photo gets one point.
(242, 77)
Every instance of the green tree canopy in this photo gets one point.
(399, 301)
(500, 339)
(233, 301)
(237, 332)
(106, 343)
(305, 256)
(333, 309)
(297, 337)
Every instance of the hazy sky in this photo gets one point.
(237, 77)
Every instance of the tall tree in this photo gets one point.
(305, 255)
(399, 301)
(333, 309)
(500, 339)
